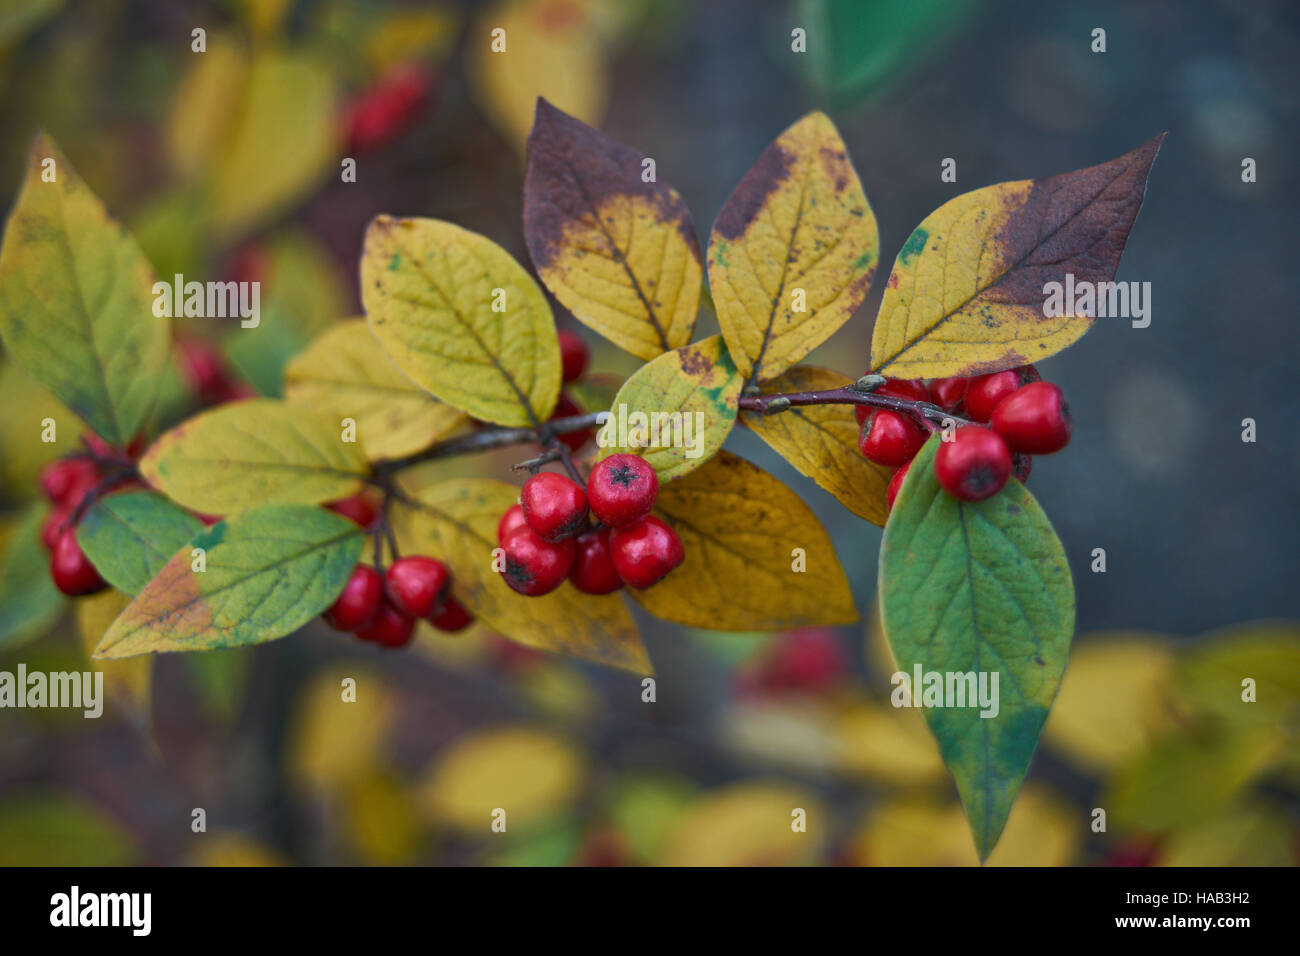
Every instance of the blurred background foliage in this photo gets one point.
(226, 164)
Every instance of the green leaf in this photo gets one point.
(48, 828)
(29, 601)
(677, 410)
(130, 537)
(979, 587)
(76, 301)
(268, 572)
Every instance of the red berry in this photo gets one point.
(894, 484)
(566, 407)
(65, 481)
(359, 509)
(390, 628)
(645, 551)
(534, 566)
(949, 393)
(1021, 466)
(204, 369)
(985, 391)
(71, 570)
(53, 526)
(511, 522)
(622, 489)
(415, 584)
(208, 520)
(554, 505)
(807, 659)
(573, 355)
(912, 389)
(452, 616)
(974, 465)
(359, 601)
(98, 447)
(887, 438)
(593, 565)
(249, 263)
(1035, 420)
(386, 110)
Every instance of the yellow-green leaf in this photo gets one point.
(461, 318)
(676, 411)
(793, 250)
(543, 48)
(967, 293)
(745, 535)
(821, 441)
(130, 681)
(256, 577)
(347, 374)
(619, 253)
(457, 521)
(255, 452)
(76, 300)
(748, 824)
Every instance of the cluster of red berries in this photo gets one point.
(66, 483)
(382, 608)
(808, 659)
(1015, 415)
(205, 371)
(549, 536)
(380, 114)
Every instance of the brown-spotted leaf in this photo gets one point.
(619, 253)
(967, 293)
(746, 535)
(793, 250)
(821, 441)
(457, 521)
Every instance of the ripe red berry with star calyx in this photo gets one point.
(1034, 420)
(973, 466)
(911, 389)
(622, 489)
(644, 552)
(71, 570)
(414, 584)
(534, 566)
(986, 391)
(574, 355)
(554, 505)
(452, 616)
(359, 601)
(593, 564)
(390, 627)
(889, 438)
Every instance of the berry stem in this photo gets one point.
(925, 413)
(485, 439)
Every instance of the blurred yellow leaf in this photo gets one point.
(382, 821)
(550, 50)
(48, 828)
(750, 823)
(206, 106)
(885, 743)
(793, 250)
(233, 850)
(1268, 652)
(461, 318)
(561, 690)
(1255, 836)
(738, 523)
(265, 18)
(129, 679)
(791, 732)
(347, 374)
(1114, 701)
(644, 808)
(528, 773)
(22, 453)
(821, 441)
(402, 35)
(332, 741)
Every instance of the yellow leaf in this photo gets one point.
(618, 252)
(457, 520)
(743, 532)
(885, 743)
(76, 301)
(236, 850)
(750, 823)
(550, 50)
(1114, 699)
(793, 250)
(206, 106)
(252, 453)
(967, 292)
(530, 774)
(1211, 675)
(821, 441)
(676, 411)
(462, 319)
(382, 820)
(1255, 836)
(334, 742)
(21, 458)
(402, 35)
(347, 374)
(131, 679)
